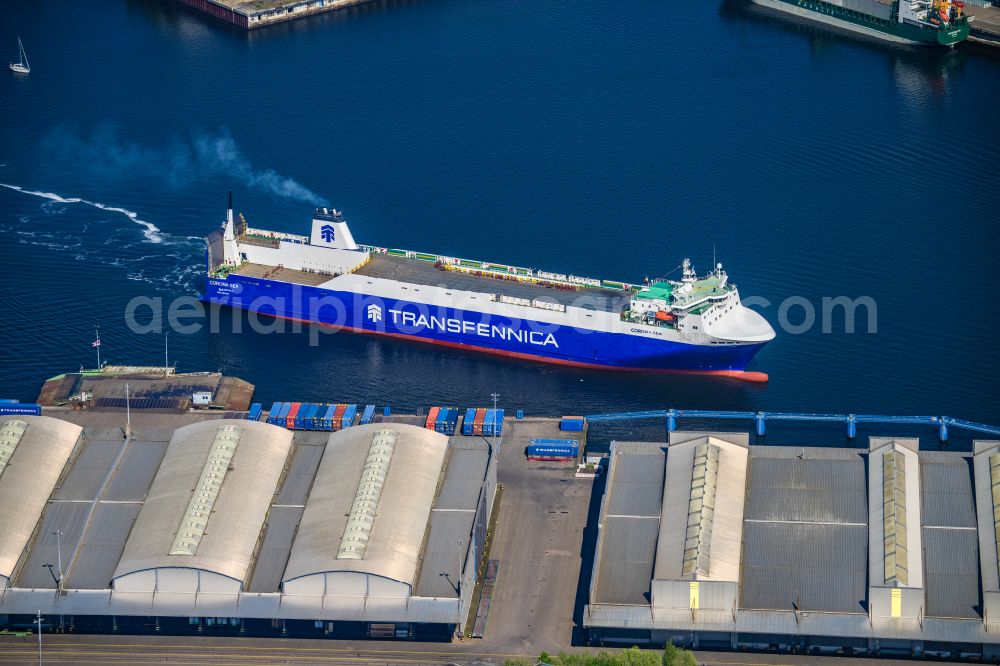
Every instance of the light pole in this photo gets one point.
(458, 585)
(59, 535)
(39, 621)
(128, 416)
(97, 343)
(496, 396)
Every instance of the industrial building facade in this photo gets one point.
(239, 527)
(710, 543)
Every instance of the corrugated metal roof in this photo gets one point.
(136, 471)
(636, 481)
(94, 564)
(463, 479)
(67, 517)
(298, 481)
(403, 511)
(625, 563)
(814, 567)
(282, 522)
(452, 518)
(807, 489)
(89, 469)
(951, 572)
(440, 560)
(947, 498)
(238, 513)
(28, 479)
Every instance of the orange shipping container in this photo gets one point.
(432, 417)
(477, 425)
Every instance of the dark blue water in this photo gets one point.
(605, 139)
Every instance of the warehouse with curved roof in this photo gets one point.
(204, 513)
(33, 453)
(369, 531)
(363, 526)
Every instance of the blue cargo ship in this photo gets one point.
(696, 324)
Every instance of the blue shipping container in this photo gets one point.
(368, 415)
(575, 443)
(470, 417)
(442, 420)
(272, 415)
(493, 423)
(571, 424)
(452, 422)
(20, 408)
(349, 414)
(551, 451)
(324, 417)
(282, 419)
(255, 411)
(312, 423)
(300, 416)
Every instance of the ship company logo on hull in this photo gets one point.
(374, 313)
(420, 322)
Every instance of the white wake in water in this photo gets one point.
(150, 230)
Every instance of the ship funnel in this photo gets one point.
(229, 209)
(329, 229)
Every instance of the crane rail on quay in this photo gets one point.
(851, 421)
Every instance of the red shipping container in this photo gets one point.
(290, 421)
(432, 417)
(338, 416)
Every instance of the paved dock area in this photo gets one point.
(986, 26)
(150, 388)
(423, 272)
(543, 514)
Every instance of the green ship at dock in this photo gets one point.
(915, 22)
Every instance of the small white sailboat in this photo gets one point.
(22, 66)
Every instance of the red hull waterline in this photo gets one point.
(743, 375)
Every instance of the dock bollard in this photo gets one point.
(852, 427)
(761, 428)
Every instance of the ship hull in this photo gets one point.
(479, 331)
(900, 33)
